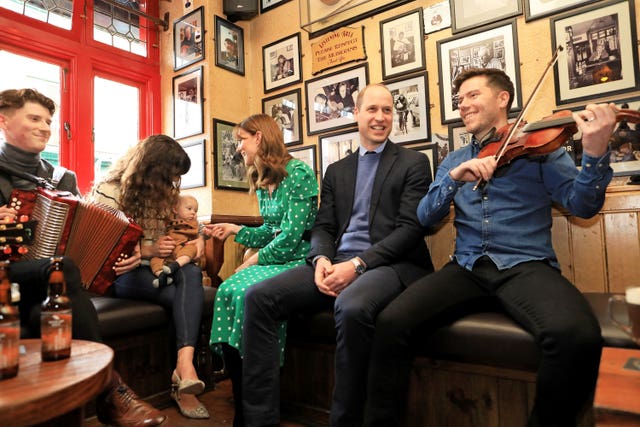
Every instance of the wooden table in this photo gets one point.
(43, 391)
(617, 398)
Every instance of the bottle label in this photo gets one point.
(55, 330)
(9, 349)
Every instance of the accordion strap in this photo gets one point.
(41, 182)
(58, 174)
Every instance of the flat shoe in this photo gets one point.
(198, 413)
(186, 386)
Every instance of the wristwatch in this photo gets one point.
(359, 265)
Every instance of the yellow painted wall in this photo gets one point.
(231, 97)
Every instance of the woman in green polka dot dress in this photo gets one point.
(287, 192)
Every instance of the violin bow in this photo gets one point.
(481, 182)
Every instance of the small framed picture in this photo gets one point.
(229, 46)
(600, 55)
(458, 136)
(337, 146)
(285, 110)
(188, 110)
(307, 154)
(536, 9)
(332, 98)
(493, 47)
(196, 177)
(411, 121)
(402, 42)
(230, 170)
(468, 14)
(437, 17)
(431, 151)
(266, 5)
(281, 62)
(188, 40)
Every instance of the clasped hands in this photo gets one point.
(331, 279)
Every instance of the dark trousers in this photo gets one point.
(33, 278)
(534, 294)
(269, 302)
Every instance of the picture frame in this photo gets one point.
(285, 108)
(196, 177)
(307, 154)
(402, 44)
(188, 39)
(437, 17)
(468, 14)
(536, 9)
(431, 151)
(281, 62)
(331, 99)
(411, 121)
(458, 136)
(495, 45)
(336, 146)
(266, 5)
(442, 146)
(230, 170)
(600, 55)
(188, 111)
(229, 46)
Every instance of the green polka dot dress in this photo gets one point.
(287, 213)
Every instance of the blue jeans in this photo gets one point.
(184, 297)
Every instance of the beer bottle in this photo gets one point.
(55, 317)
(9, 327)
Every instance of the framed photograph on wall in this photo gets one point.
(431, 151)
(266, 5)
(188, 110)
(307, 154)
(196, 177)
(493, 47)
(230, 171)
(402, 44)
(600, 55)
(437, 17)
(468, 14)
(536, 9)
(411, 121)
(458, 136)
(281, 62)
(285, 110)
(188, 40)
(337, 146)
(332, 98)
(229, 46)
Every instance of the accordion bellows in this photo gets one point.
(93, 235)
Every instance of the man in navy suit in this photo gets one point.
(366, 246)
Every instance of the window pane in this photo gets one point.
(55, 12)
(43, 77)
(116, 117)
(118, 27)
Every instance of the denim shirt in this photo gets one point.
(510, 219)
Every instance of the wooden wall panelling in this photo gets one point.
(623, 250)
(588, 254)
(561, 246)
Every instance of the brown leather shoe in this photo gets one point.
(121, 407)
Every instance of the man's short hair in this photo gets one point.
(496, 79)
(14, 99)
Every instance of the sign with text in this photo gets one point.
(338, 48)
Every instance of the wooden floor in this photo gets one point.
(219, 403)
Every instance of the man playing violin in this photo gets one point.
(503, 256)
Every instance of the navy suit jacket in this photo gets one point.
(397, 238)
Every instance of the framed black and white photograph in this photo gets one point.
(431, 151)
(402, 44)
(437, 17)
(492, 47)
(281, 62)
(536, 9)
(188, 40)
(332, 98)
(285, 110)
(458, 136)
(337, 146)
(471, 14)
(230, 170)
(196, 177)
(188, 110)
(411, 121)
(442, 143)
(229, 46)
(601, 54)
(307, 154)
(266, 5)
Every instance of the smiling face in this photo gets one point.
(374, 115)
(248, 146)
(482, 107)
(28, 128)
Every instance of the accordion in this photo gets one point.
(93, 235)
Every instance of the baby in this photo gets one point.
(182, 228)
